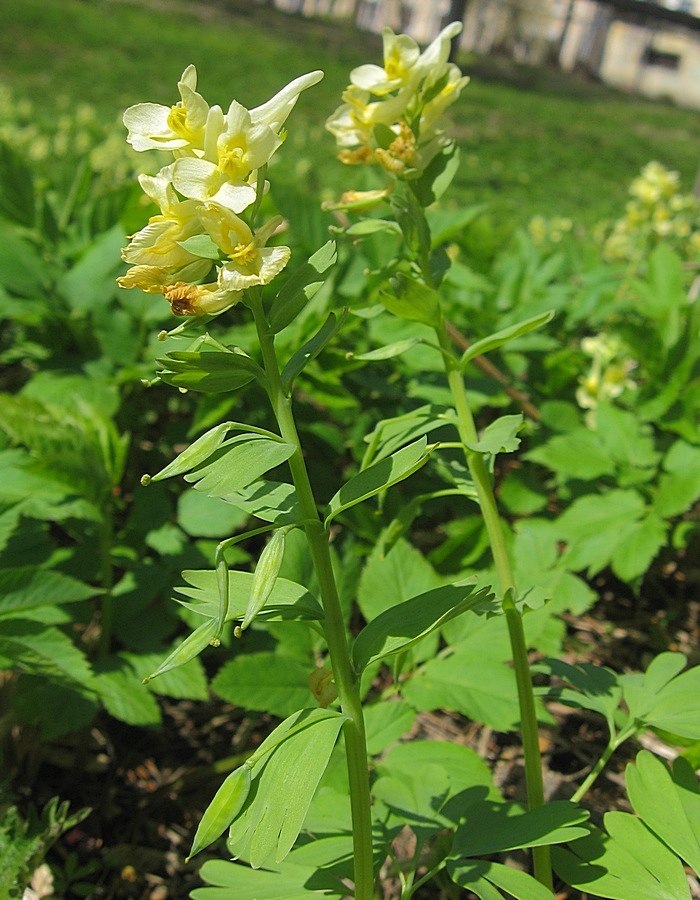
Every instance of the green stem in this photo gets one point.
(616, 740)
(494, 528)
(334, 627)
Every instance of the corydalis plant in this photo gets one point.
(208, 198)
(393, 115)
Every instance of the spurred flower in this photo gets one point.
(179, 127)
(250, 262)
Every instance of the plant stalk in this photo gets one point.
(345, 678)
(541, 856)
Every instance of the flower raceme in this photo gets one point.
(203, 195)
(407, 95)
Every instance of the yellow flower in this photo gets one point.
(275, 111)
(180, 127)
(199, 299)
(185, 297)
(401, 53)
(250, 261)
(159, 243)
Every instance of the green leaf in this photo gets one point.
(272, 501)
(373, 226)
(596, 687)
(484, 878)
(490, 827)
(390, 434)
(89, 285)
(310, 350)
(627, 862)
(197, 453)
(390, 351)
(123, 694)
(679, 485)
(465, 768)
(201, 245)
(394, 577)
(641, 547)
(22, 270)
(287, 882)
(284, 782)
(380, 476)
(669, 804)
(413, 300)
(28, 587)
(208, 370)
(202, 516)
(500, 436)
(34, 648)
(438, 176)
(481, 688)
(237, 463)
(301, 287)
(386, 722)
(288, 601)
(578, 454)
(17, 200)
(265, 681)
(403, 625)
(595, 526)
(485, 345)
(416, 797)
(662, 698)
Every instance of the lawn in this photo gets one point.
(533, 142)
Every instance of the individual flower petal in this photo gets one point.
(274, 113)
(199, 179)
(152, 279)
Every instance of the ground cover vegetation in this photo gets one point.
(437, 359)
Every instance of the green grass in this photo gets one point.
(533, 142)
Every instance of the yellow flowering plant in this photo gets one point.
(204, 252)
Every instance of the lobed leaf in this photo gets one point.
(237, 463)
(213, 371)
(668, 803)
(284, 782)
(629, 861)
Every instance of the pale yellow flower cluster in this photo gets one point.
(549, 231)
(203, 195)
(394, 114)
(657, 211)
(608, 376)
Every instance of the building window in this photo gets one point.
(660, 58)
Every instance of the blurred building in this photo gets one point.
(641, 46)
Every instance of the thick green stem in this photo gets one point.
(334, 627)
(494, 528)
